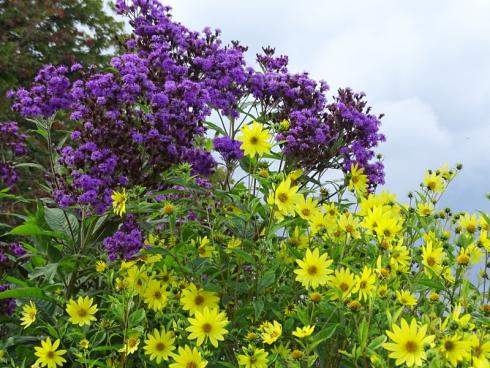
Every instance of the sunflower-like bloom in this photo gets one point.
(313, 270)
(159, 346)
(305, 331)
(208, 324)
(155, 295)
(29, 313)
(358, 180)
(48, 355)
(188, 357)
(194, 299)
(119, 200)
(255, 140)
(256, 358)
(82, 311)
(407, 345)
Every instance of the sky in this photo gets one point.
(424, 64)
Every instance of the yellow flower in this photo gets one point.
(358, 180)
(130, 346)
(434, 182)
(256, 358)
(307, 208)
(187, 358)
(365, 283)
(481, 351)
(425, 209)
(408, 343)
(343, 280)
(119, 200)
(255, 140)
(285, 197)
(382, 291)
(168, 209)
(469, 256)
(400, 258)
(432, 258)
(316, 297)
(84, 344)
(234, 243)
(455, 349)
(349, 224)
(484, 240)
(100, 266)
(271, 332)
(195, 300)
(313, 271)
(155, 295)
(29, 313)
(208, 324)
(205, 249)
(303, 332)
(406, 298)
(48, 355)
(159, 346)
(296, 354)
(82, 311)
(388, 227)
(136, 279)
(469, 222)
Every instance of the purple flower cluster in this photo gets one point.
(9, 255)
(126, 242)
(147, 113)
(228, 148)
(12, 144)
(7, 306)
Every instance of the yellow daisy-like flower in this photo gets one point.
(305, 331)
(469, 222)
(29, 313)
(82, 311)
(205, 249)
(400, 259)
(100, 266)
(208, 324)
(255, 140)
(313, 271)
(425, 209)
(155, 295)
(297, 239)
(358, 180)
(406, 298)
(187, 358)
(84, 344)
(285, 197)
(256, 358)
(130, 346)
(388, 227)
(349, 225)
(136, 279)
(119, 200)
(365, 283)
(270, 332)
(433, 182)
(407, 345)
(48, 355)
(307, 208)
(159, 346)
(343, 281)
(194, 299)
(455, 349)
(432, 258)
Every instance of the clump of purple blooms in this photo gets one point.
(126, 242)
(10, 254)
(12, 145)
(147, 113)
(7, 306)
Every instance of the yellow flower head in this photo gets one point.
(130, 346)
(433, 182)
(271, 332)
(208, 324)
(455, 349)
(84, 344)
(137, 279)
(194, 299)
(425, 209)
(469, 222)
(305, 331)
(188, 357)
(285, 197)
(160, 345)
(343, 281)
(358, 180)
(313, 269)
(406, 298)
(29, 313)
(119, 200)
(432, 258)
(253, 358)
(307, 208)
(155, 295)
(349, 225)
(100, 266)
(407, 345)
(48, 355)
(365, 283)
(82, 311)
(255, 140)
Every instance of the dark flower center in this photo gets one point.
(199, 300)
(160, 346)
(207, 327)
(411, 346)
(82, 312)
(312, 270)
(283, 197)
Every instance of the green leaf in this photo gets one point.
(31, 229)
(377, 342)
(27, 292)
(363, 333)
(137, 317)
(61, 221)
(266, 280)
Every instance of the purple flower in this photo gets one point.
(7, 306)
(126, 242)
(228, 148)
